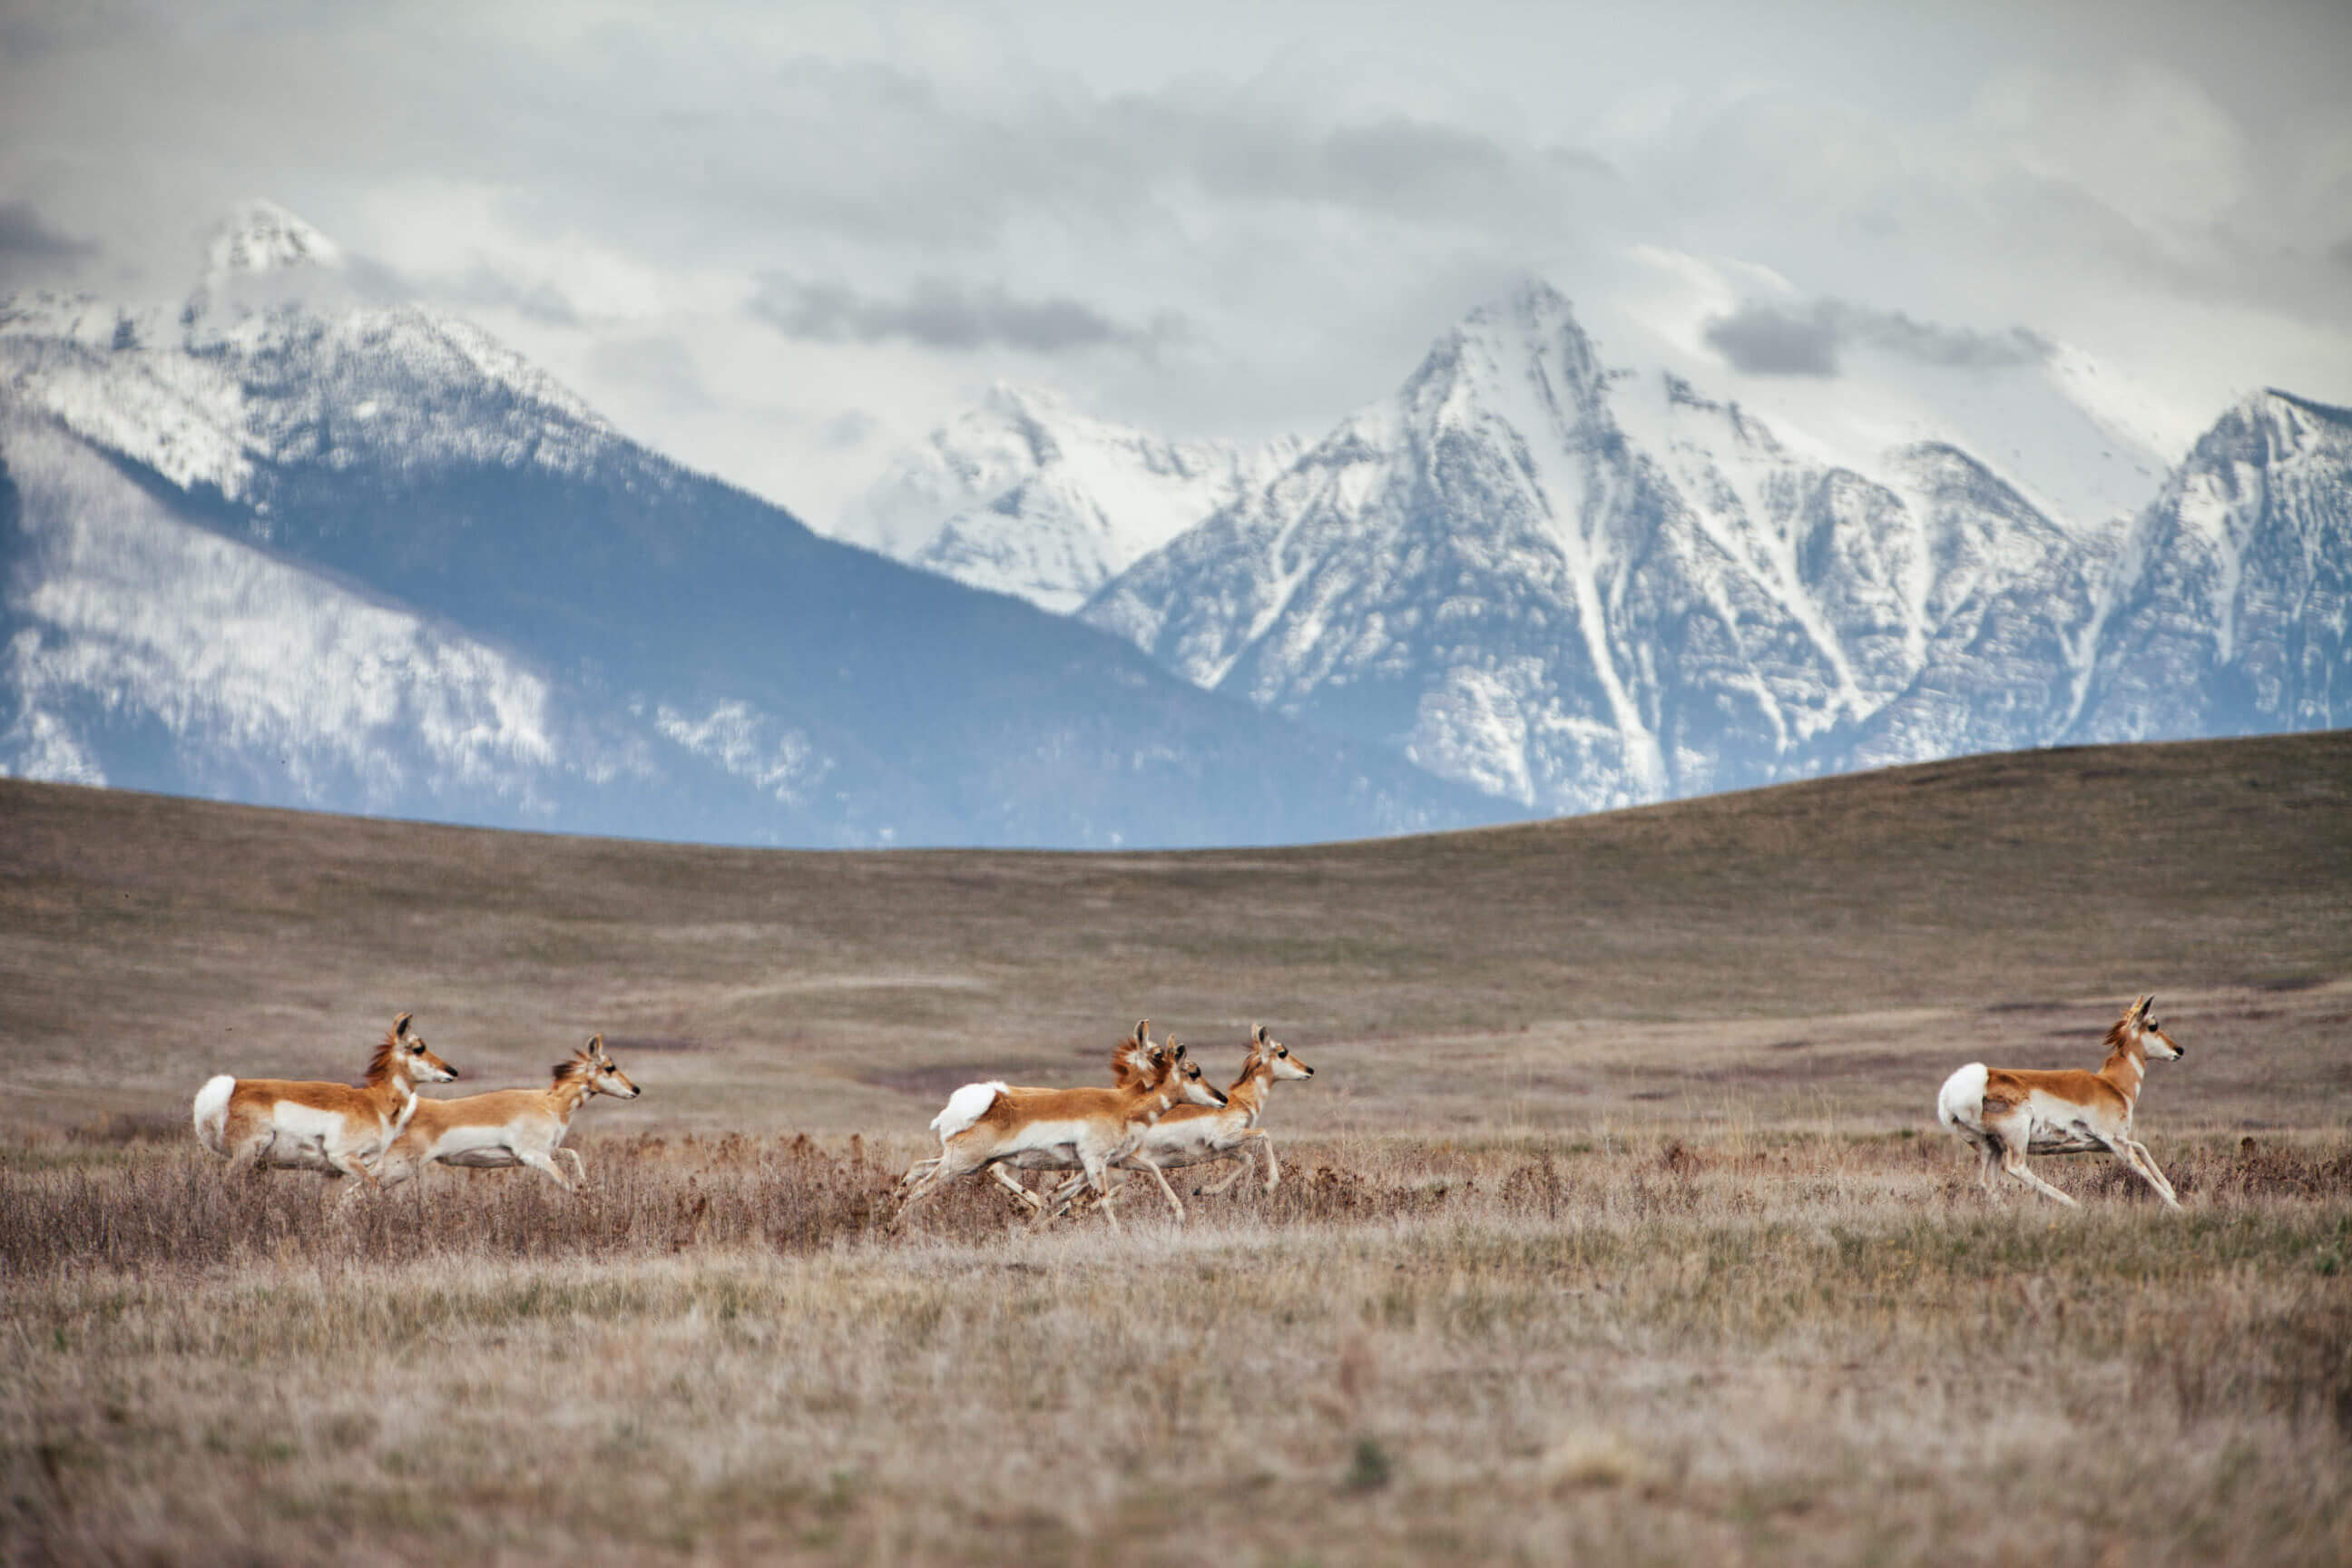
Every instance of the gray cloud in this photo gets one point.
(1311, 191)
(1765, 339)
(940, 314)
(30, 249)
(484, 289)
(23, 236)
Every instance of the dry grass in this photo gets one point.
(1781, 1348)
(1616, 1224)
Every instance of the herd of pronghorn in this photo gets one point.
(1160, 1112)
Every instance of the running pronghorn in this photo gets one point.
(508, 1127)
(1129, 1060)
(1198, 1135)
(329, 1127)
(988, 1124)
(2008, 1114)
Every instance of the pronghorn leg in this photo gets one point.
(2137, 1160)
(1240, 1164)
(2156, 1173)
(245, 1164)
(1101, 1179)
(2014, 1162)
(1058, 1202)
(579, 1165)
(952, 1163)
(914, 1172)
(1160, 1177)
(349, 1166)
(1988, 1168)
(545, 1167)
(1011, 1183)
(1272, 1165)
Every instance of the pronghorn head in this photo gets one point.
(405, 1056)
(1188, 1081)
(1276, 1055)
(608, 1079)
(594, 1072)
(1131, 1058)
(2141, 1022)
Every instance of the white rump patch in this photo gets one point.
(212, 1112)
(1961, 1102)
(964, 1106)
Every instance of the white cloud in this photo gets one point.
(1314, 189)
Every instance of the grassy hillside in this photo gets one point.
(1603, 1234)
(1818, 950)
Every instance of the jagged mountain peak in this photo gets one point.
(1017, 399)
(1025, 494)
(1521, 358)
(1532, 304)
(261, 236)
(1530, 319)
(2296, 423)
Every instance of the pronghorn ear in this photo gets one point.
(400, 1026)
(1261, 1034)
(596, 1045)
(1143, 1032)
(2141, 1008)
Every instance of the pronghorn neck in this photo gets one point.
(1150, 1104)
(568, 1094)
(389, 1085)
(2126, 1064)
(1249, 1089)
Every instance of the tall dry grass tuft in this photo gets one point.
(1777, 1348)
(177, 1207)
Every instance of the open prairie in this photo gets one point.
(1616, 1224)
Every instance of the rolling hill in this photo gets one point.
(1810, 949)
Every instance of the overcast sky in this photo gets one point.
(776, 240)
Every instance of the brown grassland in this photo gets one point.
(1614, 1227)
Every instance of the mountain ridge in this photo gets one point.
(701, 664)
(1668, 597)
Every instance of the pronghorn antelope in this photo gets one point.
(987, 1124)
(1198, 1135)
(2008, 1114)
(1129, 1060)
(508, 1127)
(329, 1127)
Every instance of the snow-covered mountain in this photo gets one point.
(1577, 585)
(1024, 495)
(2228, 611)
(296, 540)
